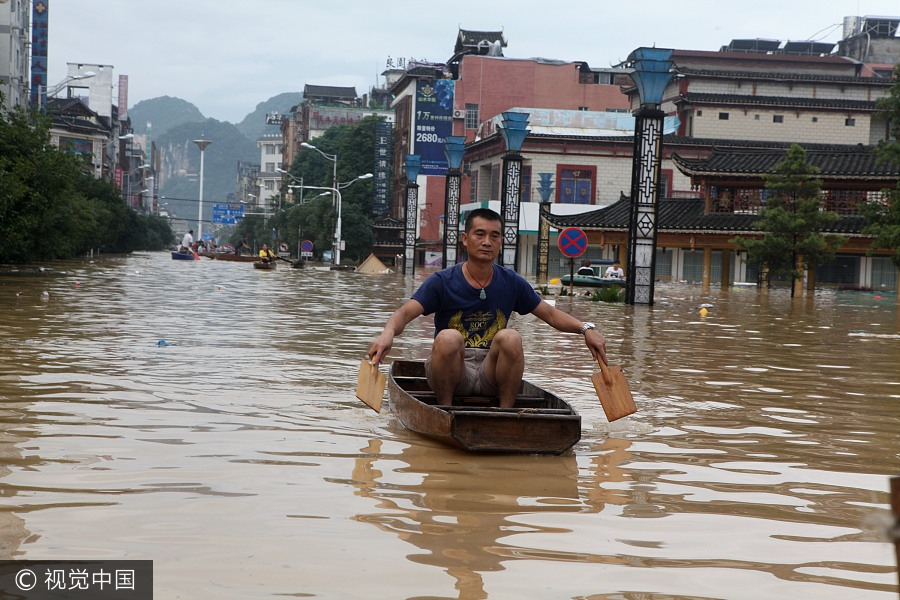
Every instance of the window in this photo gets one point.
(756, 117)
(471, 116)
(271, 149)
(270, 185)
(815, 119)
(778, 118)
(270, 167)
(525, 192)
(699, 113)
(850, 122)
(723, 116)
(665, 183)
(576, 185)
(583, 108)
(496, 173)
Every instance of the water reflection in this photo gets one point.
(238, 459)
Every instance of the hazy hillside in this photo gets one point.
(163, 113)
(182, 165)
(254, 124)
(176, 123)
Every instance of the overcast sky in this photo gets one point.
(226, 56)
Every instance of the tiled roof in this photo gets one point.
(680, 56)
(854, 162)
(683, 216)
(769, 75)
(778, 102)
(471, 39)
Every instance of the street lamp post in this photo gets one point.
(332, 158)
(454, 150)
(546, 190)
(413, 165)
(337, 228)
(202, 144)
(652, 74)
(299, 180)
(513, 130)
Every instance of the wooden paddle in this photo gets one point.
(612, 389)
(370, 385)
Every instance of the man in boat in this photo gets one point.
(615, 270)
(187, 242)
(474, 352)
(241, 245)
(266, 255)
(585, 268)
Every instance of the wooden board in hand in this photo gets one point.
(612, 389)
(370, 385)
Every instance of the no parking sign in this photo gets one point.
(572, 242)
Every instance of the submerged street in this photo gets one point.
(236, 457)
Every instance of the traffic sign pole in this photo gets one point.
(572, 242)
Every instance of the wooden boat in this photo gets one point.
(270, 266)
(235, 257)
(183, 255)
(540, 422)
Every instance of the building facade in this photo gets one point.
(15, 58)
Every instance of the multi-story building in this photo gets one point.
(739, 109)
(15, 59)
(322, 108)
(434, 100)
(268, 182)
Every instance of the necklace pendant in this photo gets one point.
(482, 295)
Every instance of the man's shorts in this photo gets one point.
(474, 381)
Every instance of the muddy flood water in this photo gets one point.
(238, 459)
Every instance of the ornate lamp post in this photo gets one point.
(454, 152)
(545, 190)
(413, 164)
(514, 129)
(652, 73)
(202, 144)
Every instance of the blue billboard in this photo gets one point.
(433, 123)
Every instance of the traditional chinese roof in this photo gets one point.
(683, 216)
(468, 41)
(776, 102)
(329, 91)
(838, 162)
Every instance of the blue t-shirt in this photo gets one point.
(457, 305)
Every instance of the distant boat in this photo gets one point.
(594, 281)
(235, 257)
(184, 255)
(265, 265)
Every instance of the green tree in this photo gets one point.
(884, 216)
(50, 208)
(792, 223)
(354, 146)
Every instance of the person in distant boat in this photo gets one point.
(241, 245)
(266, 255)
(474, 351)
(187, 242)
(615, 270)
(585, 268)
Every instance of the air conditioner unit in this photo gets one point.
(459, 114)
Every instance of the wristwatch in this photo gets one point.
(587, 326)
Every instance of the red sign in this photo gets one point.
(572, 242)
